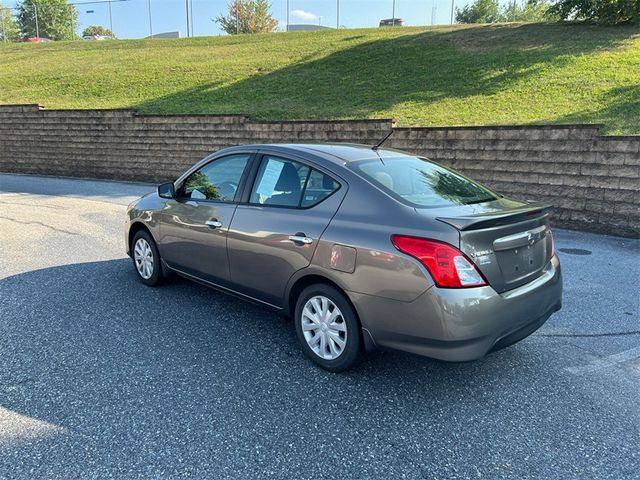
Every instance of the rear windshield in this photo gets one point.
(422, 183)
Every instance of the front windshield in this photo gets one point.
(421, 183)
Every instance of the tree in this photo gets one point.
(489, 11)
(97, 30)
(530, 11)
(247, 16)
(480, 11)
(8, 28)
(57, 19)
(199, 181)
(607, 12)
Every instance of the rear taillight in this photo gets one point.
(448, 266)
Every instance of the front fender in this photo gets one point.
(145, 213)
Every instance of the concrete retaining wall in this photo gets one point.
(593, 180)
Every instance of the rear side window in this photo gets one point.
(319, 187)
(421, 183)
(287, 183)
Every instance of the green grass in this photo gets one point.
(462, 75)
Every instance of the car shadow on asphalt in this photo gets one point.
(113, 368)
(96, 317)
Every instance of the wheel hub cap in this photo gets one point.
(143, 256)
(324, 327)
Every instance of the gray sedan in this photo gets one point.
(364, 247)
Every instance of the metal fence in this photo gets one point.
(185, 18)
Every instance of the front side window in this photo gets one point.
(421, 183)
(287, 183)
(217, 180)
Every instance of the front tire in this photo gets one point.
(328, 328)
(146, 259)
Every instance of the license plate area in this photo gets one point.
(521, 254)
(521, 262)
(493, 250)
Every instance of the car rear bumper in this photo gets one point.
(462, 324)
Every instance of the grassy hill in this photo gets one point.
(461, 75)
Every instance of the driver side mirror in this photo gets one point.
(167, 190)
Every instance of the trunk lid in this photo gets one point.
(510, 242)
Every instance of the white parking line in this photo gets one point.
(608, 361)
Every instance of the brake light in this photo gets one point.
(448, 266)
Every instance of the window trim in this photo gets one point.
(260, 158)
(179, 183)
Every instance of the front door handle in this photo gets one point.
(300, 239)
(191, 203)
(213, 223)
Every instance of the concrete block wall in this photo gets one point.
(592, 180)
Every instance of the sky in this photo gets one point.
(130, 18)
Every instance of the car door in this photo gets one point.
(276, 232)
(194, 225)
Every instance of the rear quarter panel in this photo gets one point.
(365, 222)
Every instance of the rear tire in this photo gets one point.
(328, 328)
(146, 259)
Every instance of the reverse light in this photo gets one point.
(449, 267)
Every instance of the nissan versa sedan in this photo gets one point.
(363, 247)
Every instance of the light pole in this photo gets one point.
(191, 10)
(452, 1)
(35, 10)
(237, 17)
(4, 36)
(186, 6)
(337, 14)
(393, 13)
(287, 15)
(150, 24)
(110, 18)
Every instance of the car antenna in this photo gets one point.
(379, 144)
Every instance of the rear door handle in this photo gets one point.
(213, 223)
(300, 239)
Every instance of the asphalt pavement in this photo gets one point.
(102, 377)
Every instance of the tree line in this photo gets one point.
(58, 19)
(605, 12)
(252, 16)
(52, 19)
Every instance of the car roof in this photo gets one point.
(338, 153)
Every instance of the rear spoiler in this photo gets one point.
(501, 217)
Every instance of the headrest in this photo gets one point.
(289, 180)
